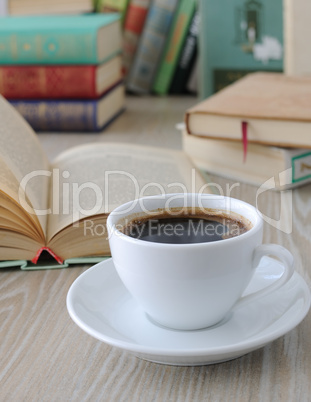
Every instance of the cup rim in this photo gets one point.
(257, 225)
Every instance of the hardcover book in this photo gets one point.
(187, 58)
(263, 108)
(133, 27)
(52, 82)
(73, 115)
(61, 207)
(271, 167)
(236, 38)
(151, 46)
(173, 47)
(73, 39)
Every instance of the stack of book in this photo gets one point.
(63, 73)
(256, 130)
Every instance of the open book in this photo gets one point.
(62, 207)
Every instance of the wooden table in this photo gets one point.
(44, 356)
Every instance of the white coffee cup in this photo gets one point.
(191, 286)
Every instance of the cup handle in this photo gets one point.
(281, 254)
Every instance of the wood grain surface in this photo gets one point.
(44, 356)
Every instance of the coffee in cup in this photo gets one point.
(190, 284)
(186, 225)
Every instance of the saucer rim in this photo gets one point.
(242, 347)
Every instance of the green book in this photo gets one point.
(25, 265)
(173, 47)
(75, 39)
(236, 38)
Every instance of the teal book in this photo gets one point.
(236, 38)
(74, 39)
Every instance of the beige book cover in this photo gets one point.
(276, 108)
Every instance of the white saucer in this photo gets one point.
(99, 304)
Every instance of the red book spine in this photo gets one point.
(133, 27)
(47, 82)
(135, 18)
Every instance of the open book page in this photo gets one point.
(8, 183)
(94, 179)
(22, 154)
(9, 190)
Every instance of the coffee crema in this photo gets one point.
(186, 227)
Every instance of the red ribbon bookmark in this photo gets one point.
(244, 139)
(57, 258)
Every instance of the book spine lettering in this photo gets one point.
(176, 38)
(31, 82)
